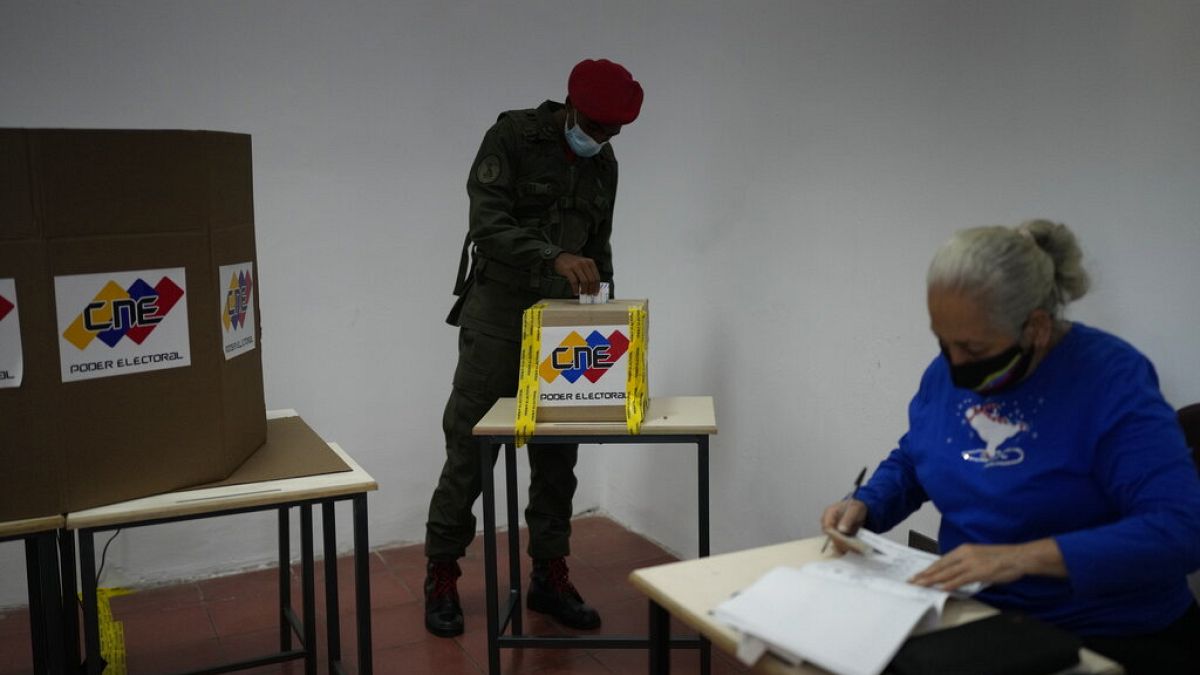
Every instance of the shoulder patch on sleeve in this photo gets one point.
(488, 170)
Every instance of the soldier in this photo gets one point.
(541, 202)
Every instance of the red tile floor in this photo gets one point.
(195, 625)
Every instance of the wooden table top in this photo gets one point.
(17, 528)
(191, 502)
(667, 415)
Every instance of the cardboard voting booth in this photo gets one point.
(129, 316)
(583, 362)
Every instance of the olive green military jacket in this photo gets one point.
(530, 200)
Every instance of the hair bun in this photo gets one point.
(1058, 241)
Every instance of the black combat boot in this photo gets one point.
(551, 592)
(443, 612)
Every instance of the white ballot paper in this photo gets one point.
(848, 615)
(898, 562)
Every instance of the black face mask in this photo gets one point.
(993, 374)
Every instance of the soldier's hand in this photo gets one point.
(580, 272)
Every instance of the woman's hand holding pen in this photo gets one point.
(844, 516)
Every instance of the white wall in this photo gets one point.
(794, 167)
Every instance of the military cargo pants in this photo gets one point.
(487, 370)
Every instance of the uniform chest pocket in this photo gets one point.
(535, 200)
(594, 209)
(592, 198)
(536, 189)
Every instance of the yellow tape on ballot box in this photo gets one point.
(582, 346)
(635, 381)
(527, 384)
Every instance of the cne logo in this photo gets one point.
(576, 357)
(237, 300)
(116, 313)
(6, 306)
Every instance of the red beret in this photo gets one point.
(604, 91)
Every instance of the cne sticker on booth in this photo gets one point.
(236, 300)
(121, 323)
(12, 362)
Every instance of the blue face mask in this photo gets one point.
(581, 144)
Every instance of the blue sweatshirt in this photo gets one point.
(1084, 450)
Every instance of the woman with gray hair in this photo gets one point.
(1060, 472)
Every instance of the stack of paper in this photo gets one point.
(848, 615)
(897, 562)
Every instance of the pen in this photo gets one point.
(846, 501)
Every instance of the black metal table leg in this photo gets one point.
(34, 579)
(46, 626)
(702, 492)
(91, 619)
(309, 585)
(703, 536)
(486, 452)
(69, 600)
(333, 635)
(285, 580)
(362, 584)
(660, 647)
(514, 537)
(51, 602)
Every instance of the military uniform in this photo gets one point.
(530, 200)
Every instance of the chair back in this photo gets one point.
(922, 542)
(1189, 419)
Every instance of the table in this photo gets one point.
(280, 495)
(45, 598)
(683, 419)
(688, 590)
